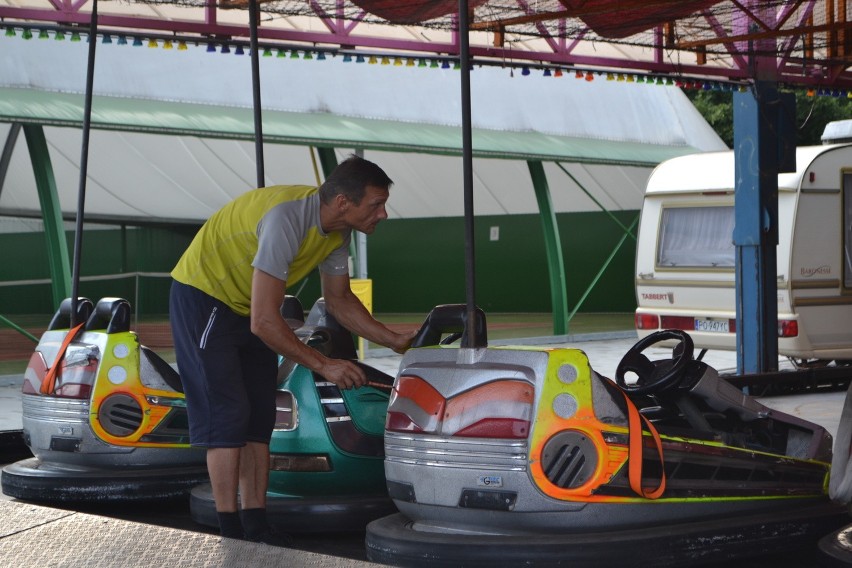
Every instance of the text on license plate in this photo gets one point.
(712, 325)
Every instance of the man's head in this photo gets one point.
(354, 196)
(351, 178)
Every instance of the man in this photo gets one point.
(225, 299)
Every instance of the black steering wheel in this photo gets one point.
(655, 376)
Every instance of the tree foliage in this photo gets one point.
(812, 113)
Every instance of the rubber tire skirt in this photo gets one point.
(393, 540)
(836, 548)
(32, 480)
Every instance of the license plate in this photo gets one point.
(712, 325)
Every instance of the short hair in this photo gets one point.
(351, 179)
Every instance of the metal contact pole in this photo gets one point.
(469, 338)
(84, 163)
(255, 85)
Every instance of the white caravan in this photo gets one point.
(685, 254)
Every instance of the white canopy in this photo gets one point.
(172, 138)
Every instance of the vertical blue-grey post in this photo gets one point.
(756, 149)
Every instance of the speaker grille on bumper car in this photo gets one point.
(120, 415)
(569, 459)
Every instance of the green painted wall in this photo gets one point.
(23, 256)
(105, 252)
(418, 263)
(415, 264)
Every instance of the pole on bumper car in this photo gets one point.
(255, 88)
(84, 163)
(469, 338)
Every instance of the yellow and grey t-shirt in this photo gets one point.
(275, 229)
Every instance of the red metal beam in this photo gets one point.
(340, 34)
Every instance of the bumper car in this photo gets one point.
(527, 456)
(326, 453)
(836, 548)
(103, 416)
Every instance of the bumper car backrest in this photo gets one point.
(450, 319)
(338, 342)
(293, 312)
(62, 318)
(703, 381)
(111, 314)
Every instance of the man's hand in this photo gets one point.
(344, 374)
(403, 340)
(349, 312)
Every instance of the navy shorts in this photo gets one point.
(229, 375)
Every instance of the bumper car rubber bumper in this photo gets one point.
(315, 514)
(394, 540)
(32, 480)
(836, 548)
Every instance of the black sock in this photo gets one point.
(230, 525)
(254, 522)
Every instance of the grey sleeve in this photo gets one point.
(338, 261)
(278, 239)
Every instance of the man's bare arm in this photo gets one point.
(268, 324)
(348, 310)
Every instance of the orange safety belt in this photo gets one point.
(634, 454)
(48, 384)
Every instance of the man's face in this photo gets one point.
(365, 216)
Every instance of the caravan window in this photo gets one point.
(696, 237)
(847, 230)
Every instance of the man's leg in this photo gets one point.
(254, 475)
(260, 371)
(254, 479)
(223, 465)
